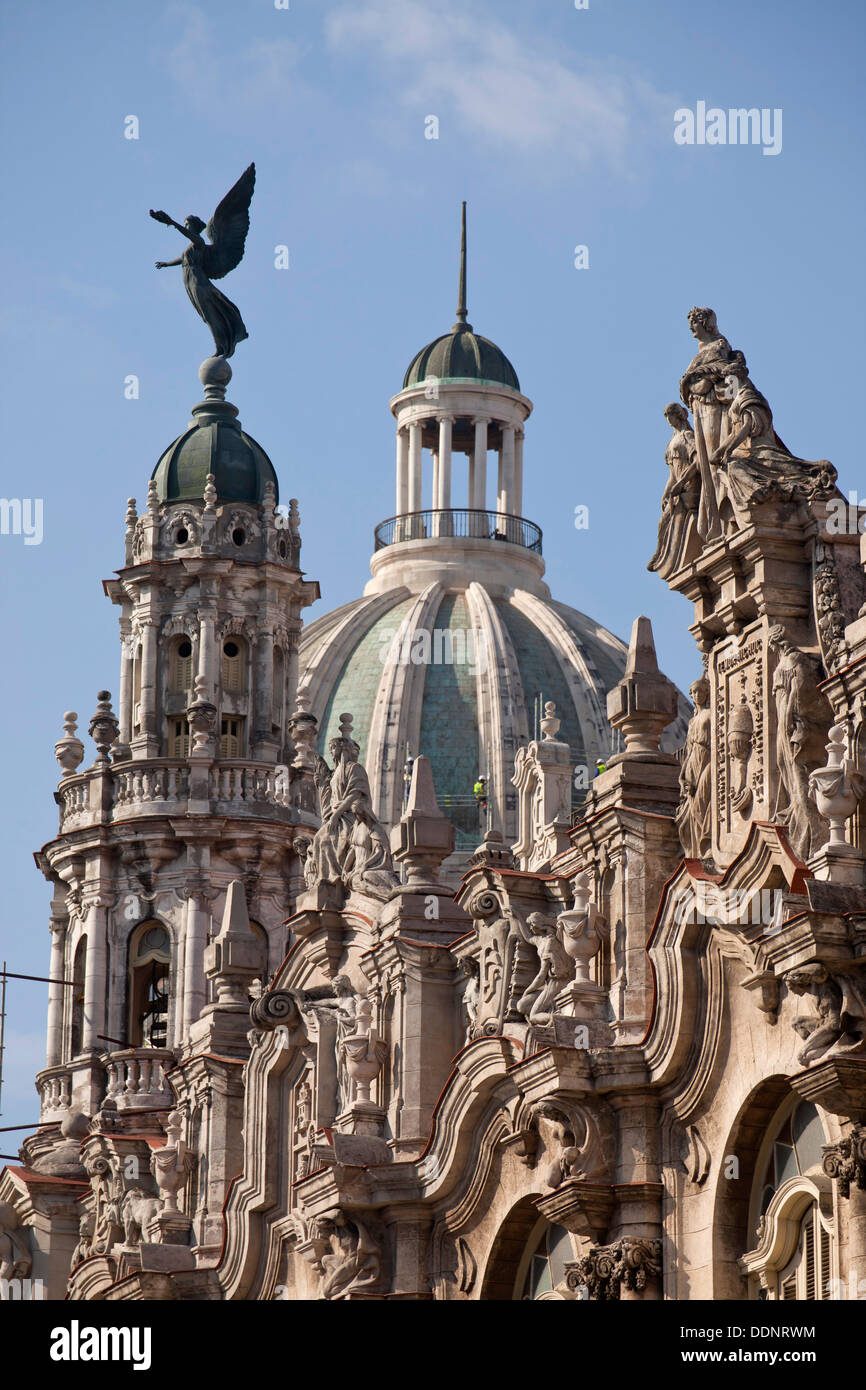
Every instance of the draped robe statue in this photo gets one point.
(351, 845)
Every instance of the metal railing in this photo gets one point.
(465, 523)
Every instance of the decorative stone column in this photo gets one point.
(207, 646)
(54, 1054)
(197, 923)
(148, 720)
(94, 977)
(125, 710)
(264, 745)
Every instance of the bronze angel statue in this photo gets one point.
(204, 261)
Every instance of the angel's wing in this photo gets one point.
(228, 228)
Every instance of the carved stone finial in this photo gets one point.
(645, 701)
(103, 726)
(201, 716)
(210, 494)
(346, 723)
(131, 514)
(837, 789)
(550, 725)
(303, 727)
(69, 751)
(152, 498)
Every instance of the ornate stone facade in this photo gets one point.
(624, 1060)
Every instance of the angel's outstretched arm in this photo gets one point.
(163, 265)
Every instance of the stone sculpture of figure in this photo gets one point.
(705, 390)
(702, 383)
(838, 1025)
(351, 845)
(556, 968)
(693, 812)
(354, 1262)
(802, 718)
(203, 262)
(681, 494)
(351, 1013)
(471, 994)
(751, 463)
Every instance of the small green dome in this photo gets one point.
(240, 466)
(461, 354)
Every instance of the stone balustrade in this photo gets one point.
(161, 785)
(55, 1092)
(139, 783)
(136, 1078)
(234, 784)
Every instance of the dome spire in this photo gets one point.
(461, 326)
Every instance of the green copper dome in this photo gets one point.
(240, 466)
(462, 354)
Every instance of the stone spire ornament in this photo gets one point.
(423, 838)
(645, 701)
(461, 326)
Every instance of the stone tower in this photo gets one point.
(192, 785)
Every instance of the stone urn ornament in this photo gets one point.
(581, 929)
(837, 789)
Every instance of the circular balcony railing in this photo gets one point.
(460, 524)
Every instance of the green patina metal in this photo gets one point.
(240, 466)
(449, 721)
(357, 685)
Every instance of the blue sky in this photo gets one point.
(556, 125)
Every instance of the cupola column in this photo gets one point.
(442, 493)
(402, 473)
(148, 720)
(478, 471)
(518, 473)
(506, 472)
(415, 444)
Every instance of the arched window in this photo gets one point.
(149, 962)
(545, 1271)
(79, 970)
(233, 666)
(231, 737)
(794, 1257)
(178, 738)
(180, 665)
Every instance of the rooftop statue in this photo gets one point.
(203, 262)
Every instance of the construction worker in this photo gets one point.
(600, 767)
(480, 792)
